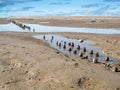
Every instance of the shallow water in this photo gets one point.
(11, 27)
(61, 40)
(41, 28)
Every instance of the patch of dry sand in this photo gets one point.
(3, 21)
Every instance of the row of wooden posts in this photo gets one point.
(82, 54)
(23, 26)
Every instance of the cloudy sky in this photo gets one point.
(59, 8)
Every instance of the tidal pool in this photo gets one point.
(42, 28)
(58, 42)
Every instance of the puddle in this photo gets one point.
(62, 44)
(41, 28)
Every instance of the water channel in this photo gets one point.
(62, 44)
(42, 28)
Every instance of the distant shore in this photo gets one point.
(72, 21)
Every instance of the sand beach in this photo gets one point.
(27, 63)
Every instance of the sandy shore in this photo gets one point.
(30, 64)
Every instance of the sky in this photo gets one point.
(59, 8)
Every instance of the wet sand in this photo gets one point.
(30, 64)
